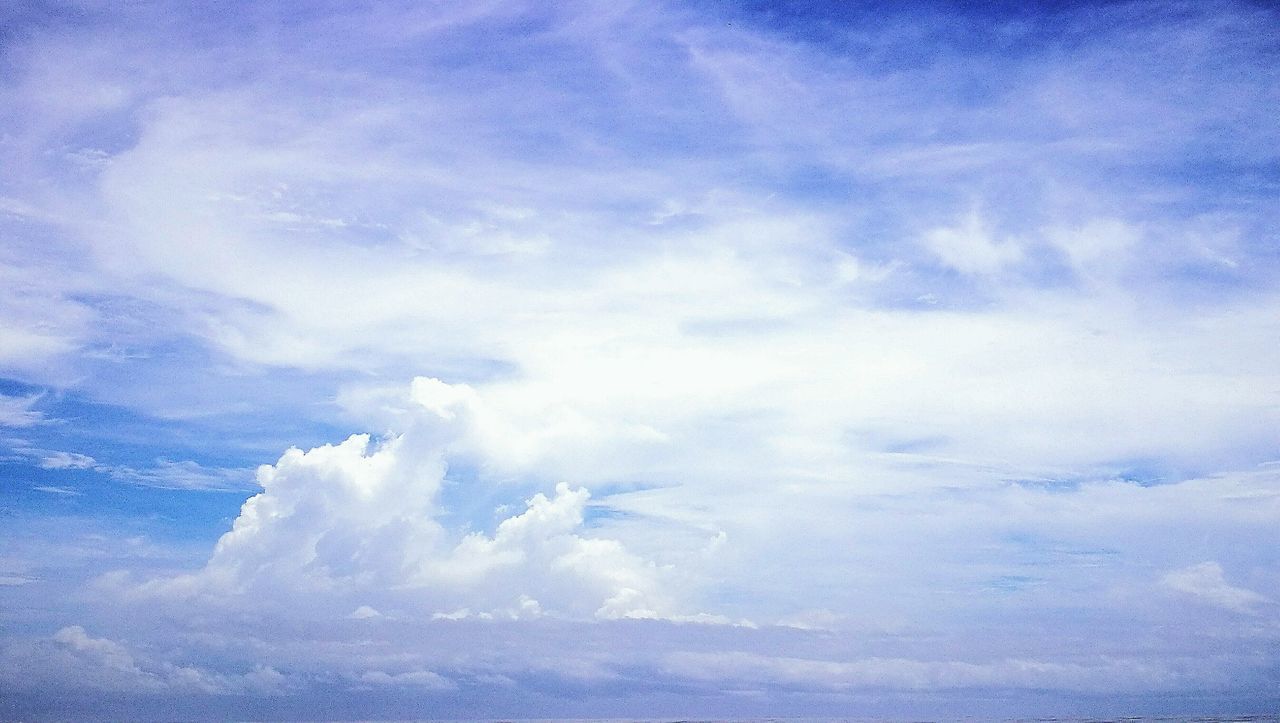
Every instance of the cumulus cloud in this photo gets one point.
(359, 519)
(558, 568)
(108, 654)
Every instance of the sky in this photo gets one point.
(610, 359)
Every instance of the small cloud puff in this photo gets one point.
(68, 460)
(364, 612)
(970, 248)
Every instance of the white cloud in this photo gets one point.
(1206, 582)
(745, 308)
(23, 349)
(1105, 243)
(54, 490)
(801, 315)
(67, 460)
(970, 247)
(73, 659)
(164, 474)
(17, 411)
(109, 654)
(180, 475)
(559, 571)
(360, 518)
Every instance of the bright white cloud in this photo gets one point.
(359, 519)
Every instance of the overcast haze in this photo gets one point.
(643, 359)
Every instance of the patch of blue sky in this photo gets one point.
(1036, 549)
(88, 144)
(818, 184)
(1149, 472)
(32, 492)
(473, 500)
(18, 388)
(603, 490)
(597, 514)
(186, 475)
(848, 26)
(114, 434)
(470, 501)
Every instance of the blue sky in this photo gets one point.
(609, 359)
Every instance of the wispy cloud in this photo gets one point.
(67, 460)
(164, 473)
(53, 490)
(17, 411)
(816, 319)
(182, 475)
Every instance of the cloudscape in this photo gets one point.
(609, 359)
